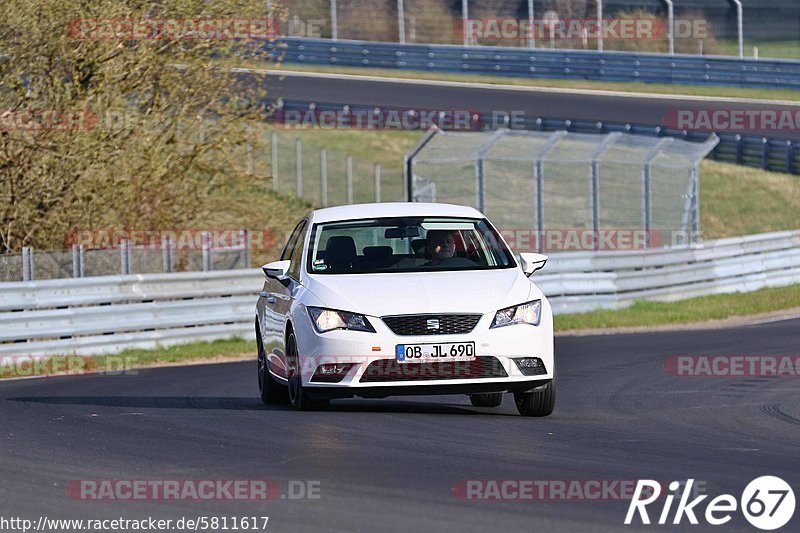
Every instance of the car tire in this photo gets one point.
(537, 403)
(270, 391)
(488, 399)
(298, 397)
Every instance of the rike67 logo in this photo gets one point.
(767, 503)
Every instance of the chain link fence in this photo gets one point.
(553, 185)
(326, 178)
(125, 259)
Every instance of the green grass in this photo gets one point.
(766, 49)
(737, 200)
(718, 306)
(648, 88)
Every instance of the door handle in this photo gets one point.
(268, 296)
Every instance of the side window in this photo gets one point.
(287, 250)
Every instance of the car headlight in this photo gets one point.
(527, 313)
(330, 319)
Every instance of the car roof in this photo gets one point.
(392, 209)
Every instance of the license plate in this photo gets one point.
(426, 353)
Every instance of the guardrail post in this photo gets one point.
(790, 157)
(166, 253)
(349, 164)
(274, 148)
(298, 166)
(377, 182)
(77, 260)
(27, 263)
(205, 239)
(739, 149)
(323, 171)
(765, 148)
(244, 238)
(125, 257)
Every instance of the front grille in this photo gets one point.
(421, 324)
(391, 370)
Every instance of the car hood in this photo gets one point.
(432, 292)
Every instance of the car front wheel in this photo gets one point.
(298, 397)
(270, 390)
(537, 403)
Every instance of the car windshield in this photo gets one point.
(418, 244)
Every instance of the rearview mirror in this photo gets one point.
(532, 262)
(402, 232)
(277, 269)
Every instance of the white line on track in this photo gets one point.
(520, 88)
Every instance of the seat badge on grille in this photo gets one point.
(433, 324)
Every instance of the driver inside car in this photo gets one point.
(441, 248)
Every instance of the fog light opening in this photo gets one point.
(530, 366)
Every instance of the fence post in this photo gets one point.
(27, 263)
(323, 171)
(205, 239)
(695, 238)
(538, 174)
(480, 189)
(401, 21)
(125, 257)
(531, 30)
(77, 260)
(670, 26)
(765, 147)
(274, 148)
(377, 183)
(599, 25)
(790, 157)
(465, 20)
(646, 202)
(249, 161)
(166, 253)
(334, 21)
(349, 164)
(298, 166)
(244, 237)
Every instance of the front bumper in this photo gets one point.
(495, 350)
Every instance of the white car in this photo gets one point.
(376, 300)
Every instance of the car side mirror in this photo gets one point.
(532, 262)
(277, 269)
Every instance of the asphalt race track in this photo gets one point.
(552, 103)
(390, 465)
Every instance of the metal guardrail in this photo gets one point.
(748, 150)
(562, 64)
(112, 313)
